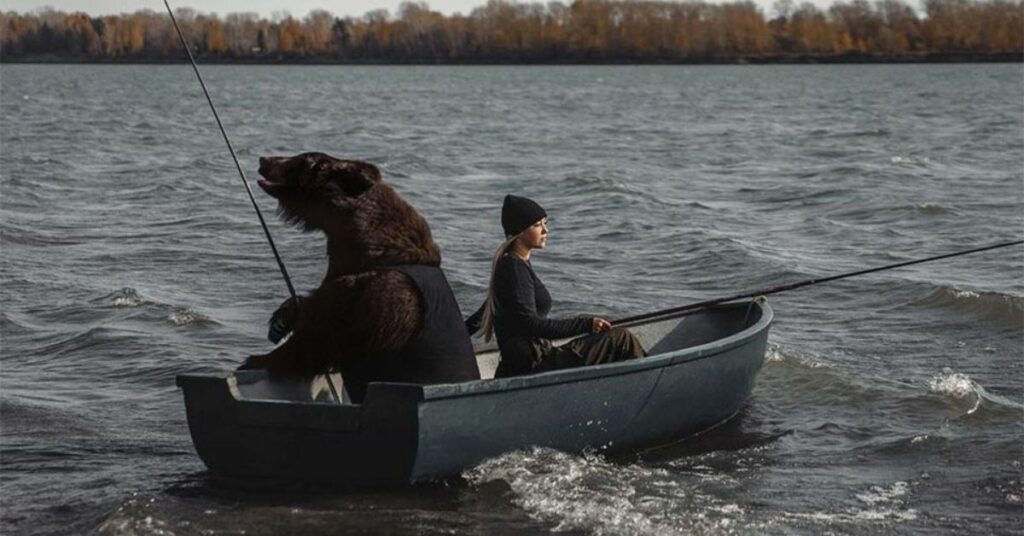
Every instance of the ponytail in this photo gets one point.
(490, 306)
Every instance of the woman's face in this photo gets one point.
(535, 236)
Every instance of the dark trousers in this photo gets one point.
(617, 344)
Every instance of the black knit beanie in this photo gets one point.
(518, 213)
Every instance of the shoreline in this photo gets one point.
(859, 58)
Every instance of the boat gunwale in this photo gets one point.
(445, 391)
(621, 368)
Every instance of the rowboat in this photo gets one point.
(699, 373)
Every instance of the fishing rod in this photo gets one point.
(248, 189)
(809, 282)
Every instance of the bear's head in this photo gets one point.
(368, 225)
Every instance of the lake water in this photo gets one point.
(889, 403)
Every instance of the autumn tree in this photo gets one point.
(316, 29)
(510, 30)
(242, 31)
(290, 40)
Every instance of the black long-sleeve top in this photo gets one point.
(521, 324)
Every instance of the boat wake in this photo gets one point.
(877, 503)
(591, 494)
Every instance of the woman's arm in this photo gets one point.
(516, 294)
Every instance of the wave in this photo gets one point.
(134, 517)
(909, 161)
(45, 416)
(591, 184)
(992, 305)
(68, 343)
(775, 355)
(184, 317)
(931, 209)
(954, 384)
(35, 237)
(792, 381)
(866, 133)
(126, 297)
(959, 387)
(588, 493)
(962, 389)
(882, 503)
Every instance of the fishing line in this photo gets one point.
(248, 189)
(815, 281)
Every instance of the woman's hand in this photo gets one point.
(600, 325)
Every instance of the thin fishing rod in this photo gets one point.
(815, 281)
(248, 189)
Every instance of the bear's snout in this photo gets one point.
(271, 171)
(268, 166)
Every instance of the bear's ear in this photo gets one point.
(353, 176)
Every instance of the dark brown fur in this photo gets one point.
(360, 310)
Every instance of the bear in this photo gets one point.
(384, 311)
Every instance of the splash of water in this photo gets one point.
(776, 355)
(127, 297)
(883, 504)
(957, 385)
(930, 208)
(954, 384)
(591, 494)
(133, 517)
(184, 317)
(907, 161)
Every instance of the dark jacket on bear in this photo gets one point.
(439, 353)
(521, 324)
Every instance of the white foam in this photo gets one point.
(883, 504)
(953, 384)
(590, 494)
(930, 208)
(904, 161)
(131, 519)
(775, 355)
(184, 317)
(729, 509)
(877, 494)
(128, 298)
(965, 294)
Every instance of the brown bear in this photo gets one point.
(384, 311)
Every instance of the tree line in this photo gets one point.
(506, 31)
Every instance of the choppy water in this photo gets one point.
(890, 403)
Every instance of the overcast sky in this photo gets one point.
(266, 8)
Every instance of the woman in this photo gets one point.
(518, 303)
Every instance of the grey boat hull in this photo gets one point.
(700, 372)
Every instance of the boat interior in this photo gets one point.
(658, 335)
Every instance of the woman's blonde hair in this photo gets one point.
(490, 305)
